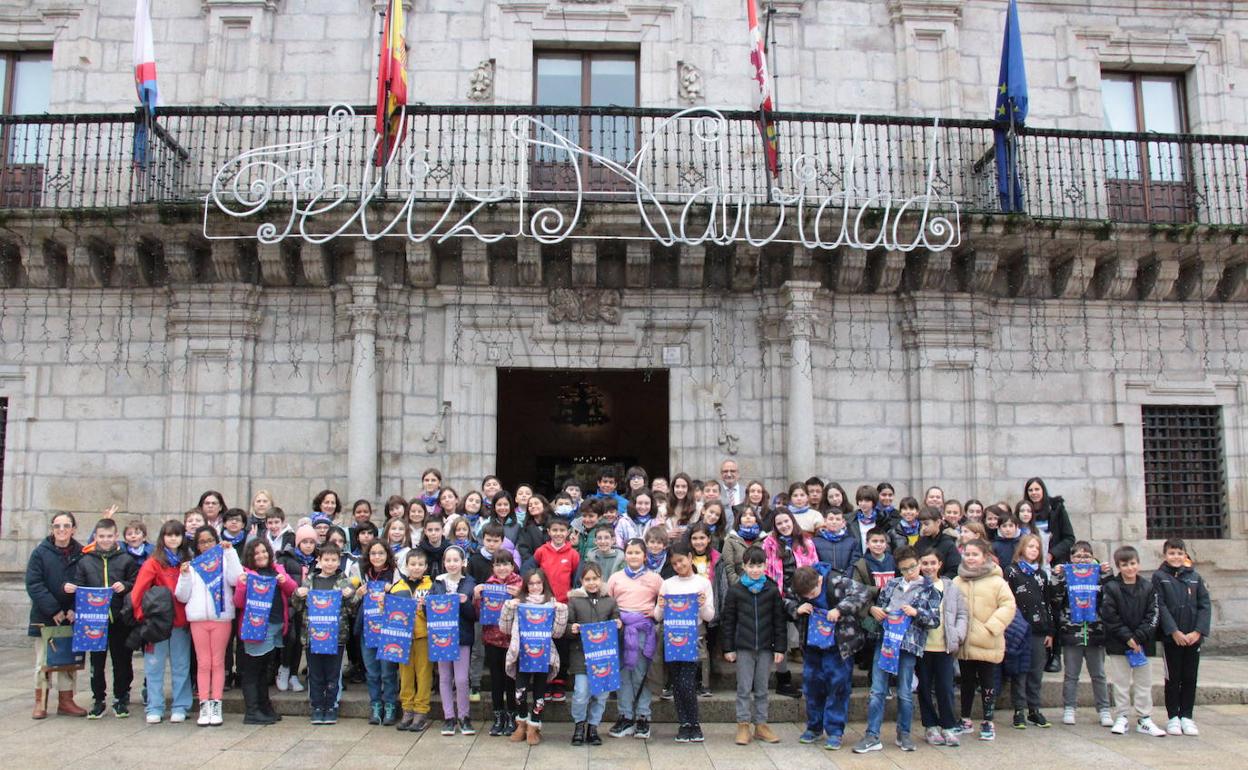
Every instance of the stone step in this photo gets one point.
(720, 706)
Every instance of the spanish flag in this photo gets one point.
(391, 82)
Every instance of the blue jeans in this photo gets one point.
(879, 690)
(586, 707)
(177, 651)
(634, 695)
(382, 677)
(827, 680)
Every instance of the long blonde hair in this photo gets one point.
(1022, 545)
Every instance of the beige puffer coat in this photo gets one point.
(991, 605)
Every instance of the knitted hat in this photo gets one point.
(305, 533)
(320, 518)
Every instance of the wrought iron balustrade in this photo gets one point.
(94, 160)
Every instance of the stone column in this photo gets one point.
(799, 403)
(362, 428)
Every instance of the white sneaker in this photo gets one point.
(1174, 727)
(1148, 727)
(1120, 726)
(1107, 720)
(283, 678)
(1068, 716)
(205, 713)
(216, 714)
(177, 716)
(1189, 727)
(153, 719)
(295, 686)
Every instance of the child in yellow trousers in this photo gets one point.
(416, 675)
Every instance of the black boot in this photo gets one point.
(591, 735)
(784, 685)
(500, 723)
(248, 682)
(266, 705)
(1054, 663)
(578, 734)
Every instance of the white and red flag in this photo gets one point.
(762, 80)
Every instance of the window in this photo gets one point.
(584, 79)
(1147, 181)
(25, 89)
(1184, 472)
(4, 421)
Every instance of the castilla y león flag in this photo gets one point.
(391, 82)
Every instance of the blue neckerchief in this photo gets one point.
(467, 545)
(643, 521)
(430, 501)
(909, 529)
(634, 575)
(485, 554)
(395, 548)
(305, 559)
(1028, 569)
(172, 557)
(234, 540)
(795, 510)
(886, 512)
(472, 518)
(656, 562)
(833, 537)
(864, 519)
(141, 551)
(786, 539)
(755, 586)
(712, 527)
(749, 534)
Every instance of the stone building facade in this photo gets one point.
(142, 363)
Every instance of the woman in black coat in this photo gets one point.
(1050, 517)
(47, 572)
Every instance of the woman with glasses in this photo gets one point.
(47, 572)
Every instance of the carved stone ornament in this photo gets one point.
(481, 84)
(584, 306)
(690, 83)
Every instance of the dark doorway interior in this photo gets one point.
(555, 424)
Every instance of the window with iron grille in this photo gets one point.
(1184, 472)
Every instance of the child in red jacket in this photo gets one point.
(496, 642)
(559, 560)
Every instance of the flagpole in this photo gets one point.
(762, 111)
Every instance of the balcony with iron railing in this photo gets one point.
(108, 161)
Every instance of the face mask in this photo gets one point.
(563, 510)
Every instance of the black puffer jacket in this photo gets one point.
(1129, 612)
(753, 621)
(98, 569)
(1034, 596)
(946, 545)
(47, 571)
(1053, 512)
(1182, 602)
(532, 536)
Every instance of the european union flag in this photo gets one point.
(1010, 112)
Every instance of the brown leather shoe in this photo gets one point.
(41, 704)
(743, 733)
(65, 705)
(535, 733)
(521, 732)
(763, 732)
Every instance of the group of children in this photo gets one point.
(920, 596)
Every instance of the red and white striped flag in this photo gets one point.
(762, 80)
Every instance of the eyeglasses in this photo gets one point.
(911, 568)
(62, 526)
